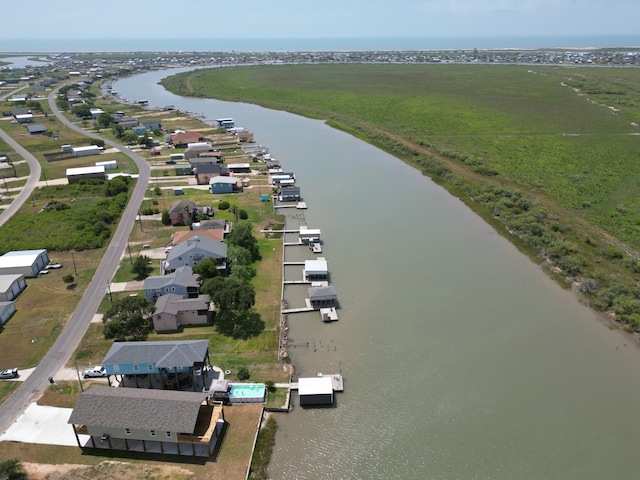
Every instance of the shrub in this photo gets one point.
(243, 373)
(223, 205)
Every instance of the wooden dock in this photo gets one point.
(297, 282)
(298, 310)
(293, 263)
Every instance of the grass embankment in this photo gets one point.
(548, 155)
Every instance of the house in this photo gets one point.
(206, 158)
(315, 390)
(139, 130)
(173, 364)
(322, 296)
(19, 111)
(184, 235)
(180, 140)
(152, 126)
(95, 112)
(149, 421)
(194, 149)
(7, 309)
(307, 235)
(24, 118)
(181, 282)
(194, 250)
(224, 185)
(180, 212)
(108, 164)
(86, 151)
(36, 128)
(212, 225)
(239, 168)
(25, 262)
(11, 286)
(74, 175)
(204, 173)
(316, 269)
(289, 194)
(173, 312)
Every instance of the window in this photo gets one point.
(168, 434)
(136, 368)
(153, 433)
(127, 431)
(150, 367)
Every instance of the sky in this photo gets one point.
(326, 19)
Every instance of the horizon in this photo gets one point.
(315, 44)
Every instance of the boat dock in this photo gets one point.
(298, 310)
(329, 314)
(315, 247)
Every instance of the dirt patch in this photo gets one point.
(104, 471)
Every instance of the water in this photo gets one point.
(310, 44)
(461, 359)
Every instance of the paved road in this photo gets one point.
(34, 176)
(69, 339)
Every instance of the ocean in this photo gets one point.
(65, 45)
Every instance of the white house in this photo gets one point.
(11, 286)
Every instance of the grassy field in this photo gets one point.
(548, 155)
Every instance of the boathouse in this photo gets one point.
(316, 269)
(322, 296)
(315, 390)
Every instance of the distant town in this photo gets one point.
(136, 61)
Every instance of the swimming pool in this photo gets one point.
(247, 393)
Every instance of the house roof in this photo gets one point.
(20, 258)
(322, 292)
(174, 304)
(219, 180)
(6, 281)
(315, 386)
(183, 276)
(138, 408)
(179, 206)
(36, 128)
(317, 265)
(215, 248)
(85, 170)
(183, 137)
(184, 235)
(164, 354)
(211, 168)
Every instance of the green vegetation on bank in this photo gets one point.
(548, 155)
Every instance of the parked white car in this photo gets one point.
(93, 372)
(9, 373)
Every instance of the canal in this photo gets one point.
(461, 358)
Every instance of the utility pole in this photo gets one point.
(140, 220)
(79, 380)
(129, 248)
(73, 260)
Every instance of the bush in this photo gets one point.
(243, 373)
(223, 205)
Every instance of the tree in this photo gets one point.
(229, 294)
(68, 279)
(166, 220)
(82, 110)
(239, 255)
(242, 236)
(141, 267)
(243, 373)
(12, 470)
(104, 120)
(117, 185)
(128, 319)
(207, 268)
(243, 215)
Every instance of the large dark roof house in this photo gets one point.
(169, 365)
(174, 312)
(192, 251)
(181, 282)
(180, 212)
(149, 421)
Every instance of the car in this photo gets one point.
(53, 266)
(146, 245)
(9, 373)
(170, 162)
(94, 372)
